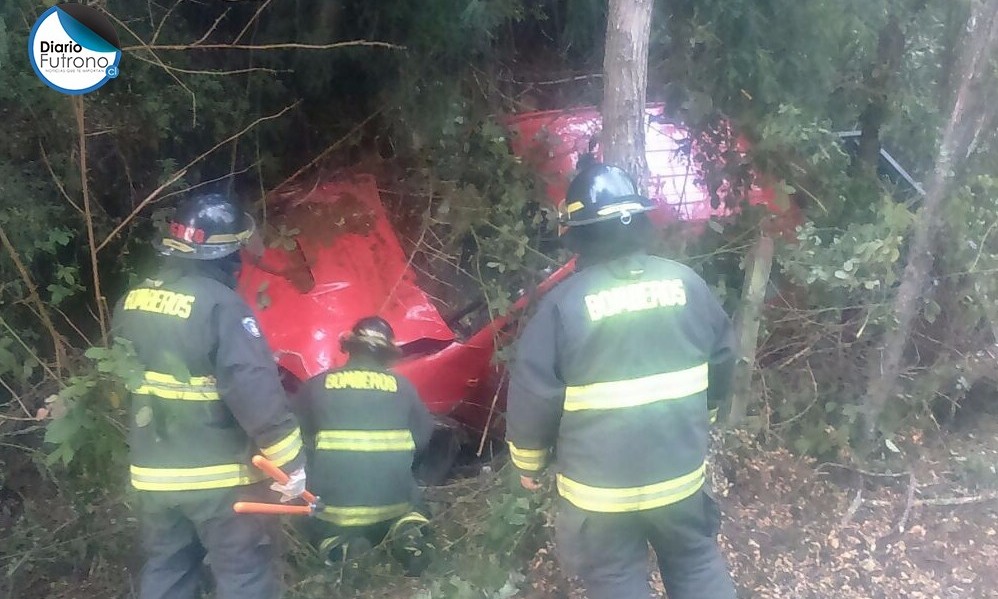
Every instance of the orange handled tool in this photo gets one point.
(249, 507)
(271, 470)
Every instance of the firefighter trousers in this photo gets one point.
(178, 534)
(609, 551)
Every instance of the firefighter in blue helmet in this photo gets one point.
(619, 373)
(210, 399)
(365, 426)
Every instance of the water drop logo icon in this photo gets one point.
(74, 49)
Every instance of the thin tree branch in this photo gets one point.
(17, 398)
(200, 72)
(180, 173)
(30, 351)
(213, 27)
(205, 183)
(78, 108)
(252, 20)
(55, 179)
(910, 500)
(194, 100)
(57, 342)
(279, 46)
(155, 35)
(329, 149)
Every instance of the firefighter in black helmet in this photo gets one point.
(209, 400)
(620, 372)
(367, 424)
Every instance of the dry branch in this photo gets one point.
(910, 500)
(252, 20)
(17, 398)
(279, 46)
(88, 217)
(853, 508)
(328, 150)
(944, 501)
(159, 28)
(215, 73)
(194, 101)
(213, 27)
(55, 179)
(180, 173)
(57, 342)
(31, 352)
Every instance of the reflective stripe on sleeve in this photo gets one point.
(362, 515)
(191, 479)
(531, 460)
(165, 386)
(285, 450)
(637, 392)
(393, 440)
(630, 499)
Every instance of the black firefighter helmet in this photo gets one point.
(600, 193)
(603, 212)
(371, 335)
(206, 227)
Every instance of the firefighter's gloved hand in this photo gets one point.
(294, 487)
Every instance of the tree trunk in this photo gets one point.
(758, 265)
(957, 136)
(625, 79)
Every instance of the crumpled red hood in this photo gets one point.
(343, 264)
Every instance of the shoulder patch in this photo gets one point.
(249, 323)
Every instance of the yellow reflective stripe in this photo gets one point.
(630, 499)
(190, 479)
(285, 450)
(227, 238)
(331, 543)
(362, 515)
(712, 415)
(164, 386)
(411, 517)
(527, 459)
(637, 392)
(394, 440)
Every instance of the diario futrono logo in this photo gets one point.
(74, 49)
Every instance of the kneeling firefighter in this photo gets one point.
(620, 372)
(210, 399)
(367, 425)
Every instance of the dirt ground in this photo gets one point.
(797, 529)
(792, 528)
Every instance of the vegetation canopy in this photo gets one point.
(874, 374)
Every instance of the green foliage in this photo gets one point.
(87, 430)
(842, 264)
(484, 533)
